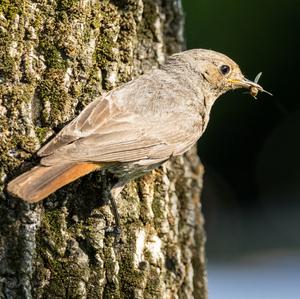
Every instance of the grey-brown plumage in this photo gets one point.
(136, 127)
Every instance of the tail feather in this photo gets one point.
(39, 182)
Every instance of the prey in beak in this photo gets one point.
(252, 86)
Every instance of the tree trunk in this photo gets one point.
(56, 57)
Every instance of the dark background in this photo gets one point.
(251, 148)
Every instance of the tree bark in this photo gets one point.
(55, 58)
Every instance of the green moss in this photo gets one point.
(49, 256)
(53, 254)
(103, 51)
(147, 29)
(66, 4)
(52, 54)
(27, 143)
(52, 222)
(17, 146)
(157, 204)
(41, 133)
(10, 8)
(130, 278)
(153, 284)
(95, 22)
(7, 63)
(57, 285)
(52, 91)
(37, 22)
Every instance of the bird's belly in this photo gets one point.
(135, 169)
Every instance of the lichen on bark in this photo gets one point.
(55, 58)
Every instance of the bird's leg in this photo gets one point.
(106, 186)
(114, 193)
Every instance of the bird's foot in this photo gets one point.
(114, 231)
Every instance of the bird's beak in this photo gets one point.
(253, 87)
(245, 83)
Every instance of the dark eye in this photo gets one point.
(225, 69)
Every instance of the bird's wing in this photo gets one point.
(86, 123)
(123, 141)
(110, 131)
(104, 133)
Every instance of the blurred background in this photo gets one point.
(251, 149)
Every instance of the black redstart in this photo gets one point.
(137, 126)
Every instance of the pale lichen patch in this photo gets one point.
(140, 245)
(154, 247)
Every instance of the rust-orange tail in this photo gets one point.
(39, 182)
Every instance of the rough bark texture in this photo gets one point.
(55, 57)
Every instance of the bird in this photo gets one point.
(135, 127)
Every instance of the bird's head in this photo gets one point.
(218, 72)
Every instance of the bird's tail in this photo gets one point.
(39, 182)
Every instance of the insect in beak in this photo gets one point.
(255, 89)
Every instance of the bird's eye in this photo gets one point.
(225, 69)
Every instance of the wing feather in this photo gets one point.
(89, 120)
(103, 132)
